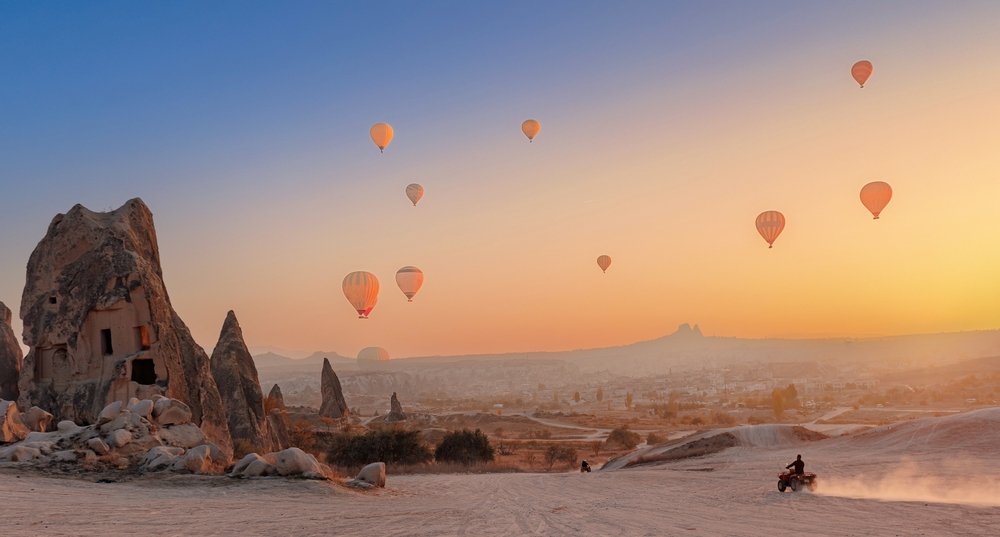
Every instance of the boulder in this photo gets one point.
(67, 428)
(160, 458)
(12, 429)
(143, 408)
(396, 410)
(119, 438)
(373, 474)
(186, 436)
(19, 453)
(10, 357)
(100, 327)
(109, 412)
(37, 420)
(239, 387)
(333, 405)
(204, 459)
(98, 446)
(253, 465)
(171, 412)
(66, 455)
(294, 461)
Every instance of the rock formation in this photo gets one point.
(277, 418)
(289, 462)
(334, 405)
(372, 475)
(100, 327)
(239, 387)
(395, 410)
(10, 357)
(148, 435)
(12, 429)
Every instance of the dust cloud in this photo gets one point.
(954, 482)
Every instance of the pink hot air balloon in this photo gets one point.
(861, 71)
(875, 196)
(361, 290)
(769, 225)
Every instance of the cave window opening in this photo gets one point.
(52, 299)
(106, 348)
(142, 336)
(143, 371)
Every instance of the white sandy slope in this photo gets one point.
(859, 495)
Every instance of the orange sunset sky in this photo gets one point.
(665, 131)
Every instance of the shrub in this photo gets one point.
(653, 439)
(623, 438)
(554, 454)
(465, 447)
(389, 446)
(722, 418)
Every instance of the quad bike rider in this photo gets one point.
(797, 477)
(584, 467)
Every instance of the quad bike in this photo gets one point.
(796, 482)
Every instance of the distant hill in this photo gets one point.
(313, 362)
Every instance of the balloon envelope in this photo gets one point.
(382, 135)
(604, 262)
(769, 225)
(414, 192)
(409, 279)
(372, 357)
(361, 290)
(875, 196)
(530, 128)
(861, 71)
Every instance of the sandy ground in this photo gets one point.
(890, 481)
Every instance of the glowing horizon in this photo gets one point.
(664, 132)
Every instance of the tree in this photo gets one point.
(778, 403)
(559, 453)
(623, 438)
(600, 394)
(576, 396)
(791, 396)
(628, 400)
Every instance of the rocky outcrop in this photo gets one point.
(277, 418)
(100, 327)
(125, 437)
(239, 387)
(275, 401)
(37, 420)
(334, 405)
(291, 462)
(10, 357)
(395, 410)
(12, 429)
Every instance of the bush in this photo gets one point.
(722, 418)
(554, 454)
(623, 438)
(465, 446)
(389, 446)
(653, 439)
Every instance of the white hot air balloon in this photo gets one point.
(409, 279)
(361, 290)
(373, 358)
(414, 191)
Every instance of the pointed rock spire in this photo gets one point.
(10, 357)
(334, 405)
(239, 386)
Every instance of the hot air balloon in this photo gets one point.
(382, 135)
(530, 128)
(414, 192)
(875, 196)
(409, 279)
(861, 71)
(361, 290)
(371, 358)
(769, 225)
(604, 262)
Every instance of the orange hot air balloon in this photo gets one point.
(381, 134)
(530, 128)
(875, 196)
(409, 279)
(361, 290)
(861, 71)
(604, 262)
(414, 192)
(769, 225)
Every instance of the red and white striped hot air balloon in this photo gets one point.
(875, 196)
(409, 279)
(361, 290)
(604, 262)
(769, 225)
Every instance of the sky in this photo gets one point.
(666, 128)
